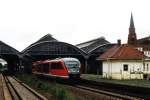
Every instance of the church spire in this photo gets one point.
(132, 39)
(131, 22)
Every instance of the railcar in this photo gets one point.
(61, 67)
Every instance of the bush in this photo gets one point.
(61, 94)
(58, 91)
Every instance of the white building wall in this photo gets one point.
(114, 69)
(146, 67)
(147, 53)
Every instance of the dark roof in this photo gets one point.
(47, 37)
(47, 45)
(53, 48)
(122, 52)
(92, 44)
(6, 49)
(144, 41)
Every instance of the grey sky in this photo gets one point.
(22, 22)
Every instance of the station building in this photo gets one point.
(48, 47)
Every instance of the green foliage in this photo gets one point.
(61, 94)
(58, 91)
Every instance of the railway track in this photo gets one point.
(113, 94)
(14, 89)
(115, 90)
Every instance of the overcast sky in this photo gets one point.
(23, 22)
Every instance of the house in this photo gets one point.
(145, 49)
(124, 62)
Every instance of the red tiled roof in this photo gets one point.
(123, 52)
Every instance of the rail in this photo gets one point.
(117, 89)
(13, 89)
(110, 90)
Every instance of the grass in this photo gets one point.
(91, 76)
(135, 82)
(57, 91)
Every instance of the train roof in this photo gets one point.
(65, 59)
(58, 59)
(70, 59)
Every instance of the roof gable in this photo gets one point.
(47, 37)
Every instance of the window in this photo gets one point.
(147, 67)
(46, 67)
(144, 67)
(133, 69)
(57, 65)
(40, 67)
(125, 67)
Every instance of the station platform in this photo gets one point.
(1, 88)
(4, 92)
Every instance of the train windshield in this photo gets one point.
(72, 64)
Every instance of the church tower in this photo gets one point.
(132, 39)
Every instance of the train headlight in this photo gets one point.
(69, 71)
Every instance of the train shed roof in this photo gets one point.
(6, 49)
(92, 44)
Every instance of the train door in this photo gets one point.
(58, 69)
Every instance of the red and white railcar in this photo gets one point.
(61, 67)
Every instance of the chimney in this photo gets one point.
(119, 42)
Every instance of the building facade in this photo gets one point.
(124, 62)
(124, 69)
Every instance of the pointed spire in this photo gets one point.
(131, 21)
(132, 39)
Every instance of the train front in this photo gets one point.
(73, 66)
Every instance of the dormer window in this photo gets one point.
(140, 49)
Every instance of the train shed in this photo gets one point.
(11, 56)
(94, 48)
(49, 48)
